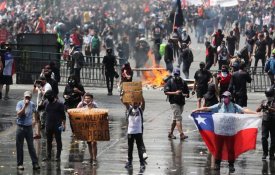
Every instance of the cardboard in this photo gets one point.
(90, 124)
(132, 92)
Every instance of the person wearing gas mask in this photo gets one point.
(41, 87)
(185, 38)
(176, 89)
(72, 94)
(226, 106)
(202, 78)
(109, 62)
(238, 85)
(55, 123)
(268, 108)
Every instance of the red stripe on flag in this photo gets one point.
(230, 147)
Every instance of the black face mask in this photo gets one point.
(51, 99)
(71, 83)
(202, 66)
(177, 78)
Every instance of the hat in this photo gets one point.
(226, 94)
(27, 94)
(273, 51)
(42, 78)
(176, 71)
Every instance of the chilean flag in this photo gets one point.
(227, 135)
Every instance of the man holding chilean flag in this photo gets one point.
(226, 131)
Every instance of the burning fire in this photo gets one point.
(154, 78)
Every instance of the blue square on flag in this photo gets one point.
(204, 121)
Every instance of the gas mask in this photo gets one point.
(71, 83)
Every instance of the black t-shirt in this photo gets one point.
(109, 61)
(238, 82)
(260, 47)
(74, 98)
(55, 114)
(210, 52)
(172, 86)
(231, 40)
(202, 78)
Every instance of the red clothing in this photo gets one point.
(76, 39)
(224, 80)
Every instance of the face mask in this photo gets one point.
(202, 66)
(51, 99)
(224, 74)
(226, 100)
(269, 98)
(177, 78)
(71, 82)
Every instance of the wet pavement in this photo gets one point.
(166, 157)
(171, 157)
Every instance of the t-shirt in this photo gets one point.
(25, 120)
(202, 78)
(83, 104)
(8, 64)
(109, 61)
(45, 88)
(222, 108)
(223, 53)
(135, 121)
(238, 82)
(209, 54)
(260, 47)
(55, 114)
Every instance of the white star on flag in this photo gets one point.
(201, 120)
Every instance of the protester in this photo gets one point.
(202, 78)
(270, 67)
(260, 51)
(224, 78)
(135, 132)
(123, 51)
(25, 110)
(238, 85)
(169, 55)
(210, 56)
(226, 106)
(223, 55)
(176, 89)
(88, 102)
(186, 58)
(50, 78)
(6, 77)
(41, 87)
(268, 108)
(77, 61)
(55, 124)
(141, 53)
(109, 62)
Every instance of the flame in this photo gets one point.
(154, 78)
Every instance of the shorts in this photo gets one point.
(177, 111)
(6, 79)
(201, 92)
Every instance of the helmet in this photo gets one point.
(269, 92)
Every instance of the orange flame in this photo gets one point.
(154, 78)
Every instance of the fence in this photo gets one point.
(29, 65)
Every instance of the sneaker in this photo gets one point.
(36, 167)
(231, 169)
(183, 137)
(264, 157)
(128, 165)
(171, 136)
(145, 156)
(142, 167)
(20, 167)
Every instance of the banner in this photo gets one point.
(227, 135)
(224, 3)
(132, 92)
(90, 124)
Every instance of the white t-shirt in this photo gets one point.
(45, 88)
(135, 122)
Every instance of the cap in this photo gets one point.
(176, 71)
(42, 78)
(184, 29)
(226, 94)
(273, 51)
(27, 94)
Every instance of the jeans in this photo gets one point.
(27, 133)
(140, 146)
(109, 79)
(50, 132)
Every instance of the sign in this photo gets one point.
(224, 3)
(90, 124)
(132, 92)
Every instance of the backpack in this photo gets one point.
(270, 66)
(95, 43)
(190, 56)
(162, 49)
